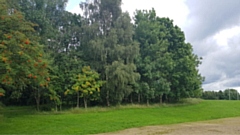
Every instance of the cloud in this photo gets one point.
(73, 6)
(173, 9)
(213, 28)
(221, 65)
(209, 16)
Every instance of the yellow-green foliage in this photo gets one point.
(87, 84)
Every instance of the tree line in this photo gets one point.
(102, 57)
(228, 94)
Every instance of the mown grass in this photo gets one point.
(98, 120)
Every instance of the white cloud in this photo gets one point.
(76, 9)
(225, 35)
(175, 10)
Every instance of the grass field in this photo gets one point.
(97, 120)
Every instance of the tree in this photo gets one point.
(47, 14)
(231, 94)
(108, 38)
(166, 63)
(184, 77)
(154, 61)
(59, 32)
(121, 78)
(212, 95)
(86, 85)
(23, 61)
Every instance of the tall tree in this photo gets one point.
(23, 61)
(167, 64)
(184, 77)
(154, 61)
(108, 36)
(59, 31)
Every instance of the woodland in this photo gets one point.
(51, 58)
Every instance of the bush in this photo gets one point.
(190, 100)
(46, 107)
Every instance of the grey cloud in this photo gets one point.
(234, 82)
(222, 67)
(204, 47)
(221, 64)
(209, 16)
(228, 59)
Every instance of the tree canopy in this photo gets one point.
(47, 52)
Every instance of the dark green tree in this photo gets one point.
(154, 61)
(185, 78)
(166, 63)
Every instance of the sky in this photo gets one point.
(211, 26)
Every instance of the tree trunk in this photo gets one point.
(131, 100)
(37, 98)
(85, 102)
(107, 94)
(60, 106)
(56, 108)
(160, 98)
(147, 102)
(139, 98)
(78, 99)
(107, 98)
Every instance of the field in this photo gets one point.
(23, 120)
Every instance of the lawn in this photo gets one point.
(98, 120)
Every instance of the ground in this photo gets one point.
(227, 126)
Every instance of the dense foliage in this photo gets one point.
(228, 94)
(99, 58)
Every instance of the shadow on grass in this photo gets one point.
(15, 111)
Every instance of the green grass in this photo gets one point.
(98, 120)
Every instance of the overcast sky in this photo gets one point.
(211, 26)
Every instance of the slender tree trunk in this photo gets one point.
(107, 98)
(167, 99)
(56, 108)
(147, 102)
(60, 106)
(131, 100)
(107, 94)
(37, 98)
(85, 102)
(139, 98)
(78, 99)
(160, 98)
